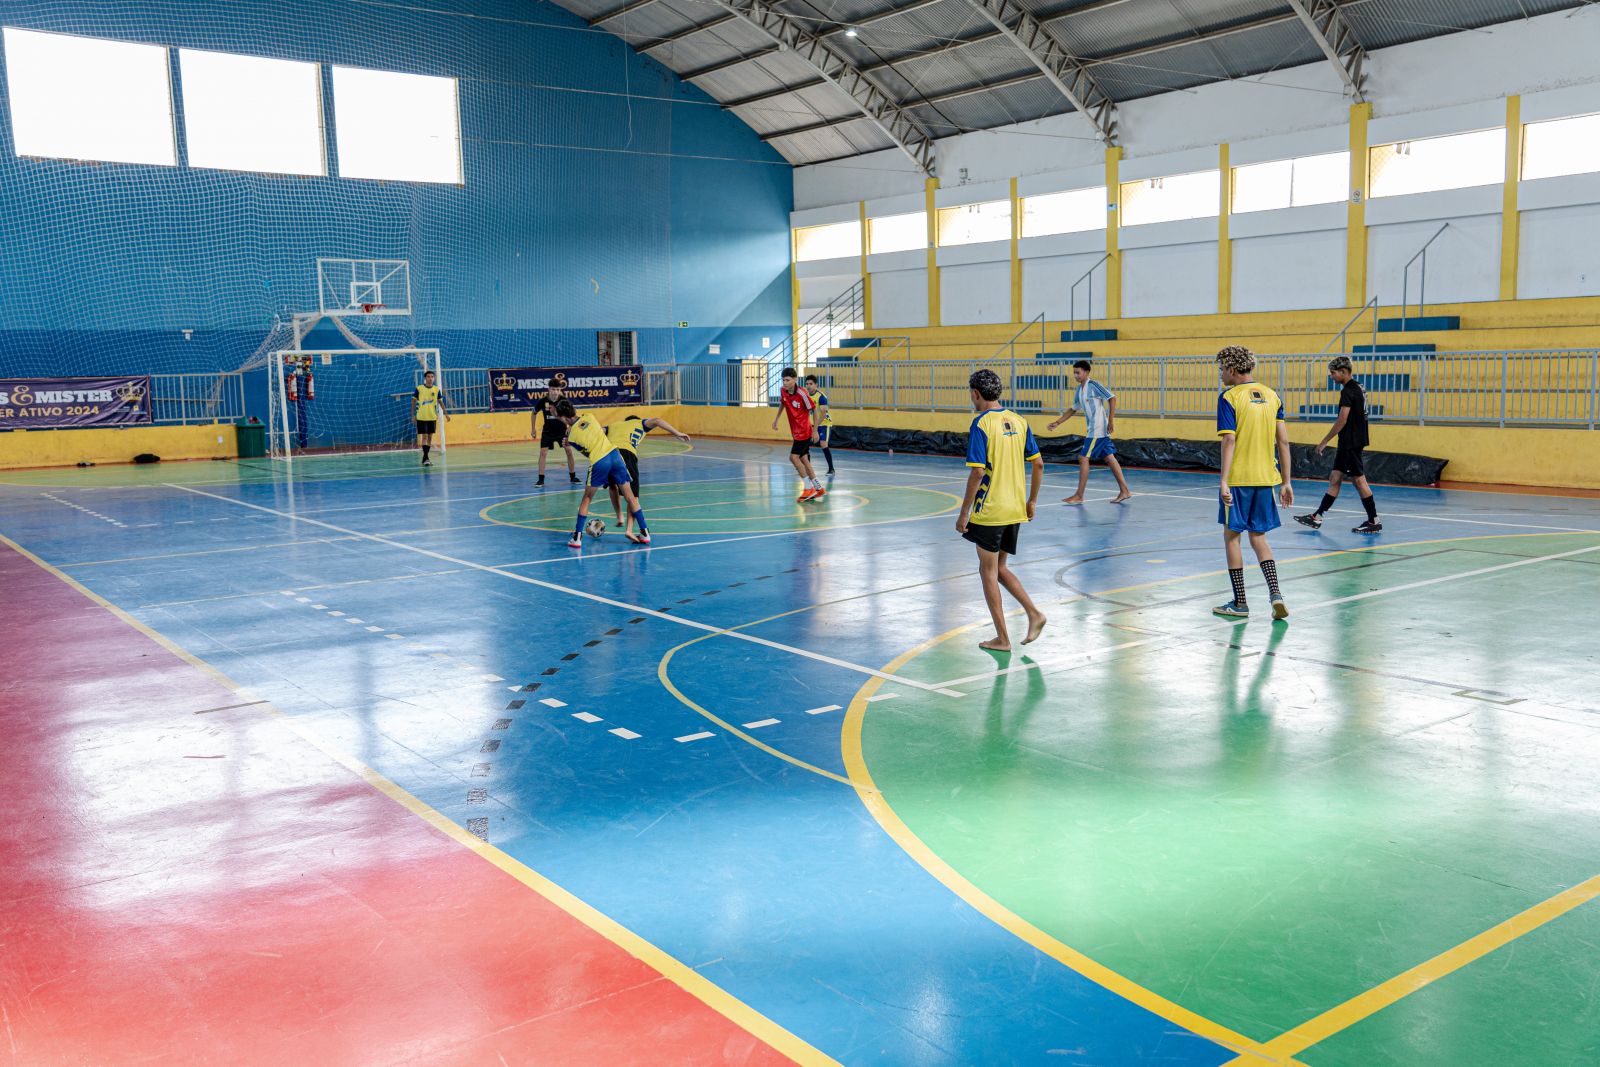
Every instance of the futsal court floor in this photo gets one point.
(363, 766)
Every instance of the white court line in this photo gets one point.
(1054, 663)
(552, 702)
(626, 735)
(820, 711)
(586, 717)
(759, 723)
(596, 598)
(701, 736)
(1300, 609)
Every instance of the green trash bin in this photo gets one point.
(252, 438)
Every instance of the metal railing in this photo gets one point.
(1370, 305)
(1072, 297)
(1504, 388)
(187, 399)
(1422, 279)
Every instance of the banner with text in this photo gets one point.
(520, 388)
(67, 403)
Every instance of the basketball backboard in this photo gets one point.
(364, 286)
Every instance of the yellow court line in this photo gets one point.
(1403, 985)
(668, 966)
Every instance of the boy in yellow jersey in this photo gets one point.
(625, 435)
(1255, 457)
(427, 401)
(606, 468)
(995, 506)
(823, 420)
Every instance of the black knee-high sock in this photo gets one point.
(1236, 576)
(425, 449)
(1269, 567)
(1370, 502)
(1327, 503)
(827, 454)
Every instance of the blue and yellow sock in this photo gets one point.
(577, 530)
(638, 520)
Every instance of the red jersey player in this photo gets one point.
(796, 403)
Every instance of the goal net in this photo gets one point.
(346, 400)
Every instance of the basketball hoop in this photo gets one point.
(368, 309)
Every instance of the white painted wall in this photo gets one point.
(1169, 280)
(973, 293)
(1047, 282)
(899, 299)
(1446, 84)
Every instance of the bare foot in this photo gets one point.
(1035, 628)
(635, 538)
(1076, 498)
(1120, 497)
(994, 644)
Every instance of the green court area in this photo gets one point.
(736, 506)
(1261, 822)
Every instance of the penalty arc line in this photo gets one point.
(715, 631)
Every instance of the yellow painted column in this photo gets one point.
(794, 286)
(1224, 242)
(929, 187)
(1355, 241)
(866, 275)
(1510, 217)
(1113, 225)
(1016, 257)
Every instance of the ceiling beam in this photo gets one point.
(1060, 68)
(1329, 28)
(625, 9)
(835, 68)
(726, 64)
(687, 31)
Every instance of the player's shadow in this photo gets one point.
(1003, 725)
(1247, 711)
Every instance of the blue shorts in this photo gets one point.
(823, 433)
(1098, 448)
(1255, 509)
(609, 469)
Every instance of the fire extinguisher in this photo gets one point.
(291, 382)
(311, 385)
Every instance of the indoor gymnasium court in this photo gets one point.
(442, 632)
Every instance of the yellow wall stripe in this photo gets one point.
(1510, 217)
(1224, 243)
(866, 275)
(1113, 225)
(929, 187)
(1355, 242)
(1016, 257)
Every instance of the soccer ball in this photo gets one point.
(594, 528)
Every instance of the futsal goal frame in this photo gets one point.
(281, 433)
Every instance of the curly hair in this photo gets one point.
(1237, 358)
(987, 383)
(1339, 363)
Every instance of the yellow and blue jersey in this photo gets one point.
(427, 397)
(1001, 444)
(590, 437)
(627, 434)
(820, 399)
(1251, 413)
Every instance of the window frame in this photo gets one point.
(339, 126)
(945, 213)
(1081, 191)
(1124, 198)
(320, 106)
(796, 231)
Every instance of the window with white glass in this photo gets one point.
(1172, 198)
(1426, 165)
(251, 113)
(399, 127)
(1073, 211)
(1297, 182)
(89, 98)
(832, 241)
(970, 224)
(898, 233)
(1561, 146)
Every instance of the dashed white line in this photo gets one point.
(319, 607)
(354, 622)
(759, 723)
(701, 736)
(395, 637)
(626, 735)
(552, 702)
(883, 696)
(337, 614)
(821, 711)
(374, 629)
(490, 678)
(586, 717)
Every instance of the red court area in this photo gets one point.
(187, 880)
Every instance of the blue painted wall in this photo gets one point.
(601, 193)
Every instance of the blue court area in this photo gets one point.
(679, 735)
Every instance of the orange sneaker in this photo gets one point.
(818, 494)
(806, 495)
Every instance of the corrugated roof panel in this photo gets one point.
(756, 76)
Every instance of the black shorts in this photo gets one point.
(554, 434)
(800, 448)
(1347, 461)
(632, 460)
(994, 538)
(427, 426)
